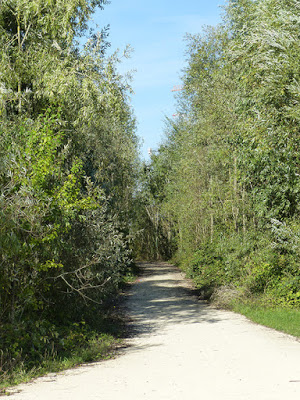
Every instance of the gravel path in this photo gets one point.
(182, 349)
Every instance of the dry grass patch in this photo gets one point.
(225, 296)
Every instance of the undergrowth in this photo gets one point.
(96, 347)
(34, 349)
(256, 274)
(37, 346)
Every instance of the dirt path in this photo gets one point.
(182, 349)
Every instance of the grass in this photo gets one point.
(282, 319)
(261, 309)
(98, 347)
(131, 275)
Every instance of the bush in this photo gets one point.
(207, 269)
(286, 292)
(262, 265)
(259, 276)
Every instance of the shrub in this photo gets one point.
(207, 268)
(259, 276)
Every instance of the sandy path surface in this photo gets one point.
(182, 349)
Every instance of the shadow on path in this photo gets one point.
(162, 296)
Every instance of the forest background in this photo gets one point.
(220, 197)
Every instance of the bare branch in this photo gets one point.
(26, 33)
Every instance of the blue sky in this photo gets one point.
(155, 30)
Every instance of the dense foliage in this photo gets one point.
(68, 155)
(226, 181)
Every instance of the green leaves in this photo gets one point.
(232, 156)
(68, 156)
